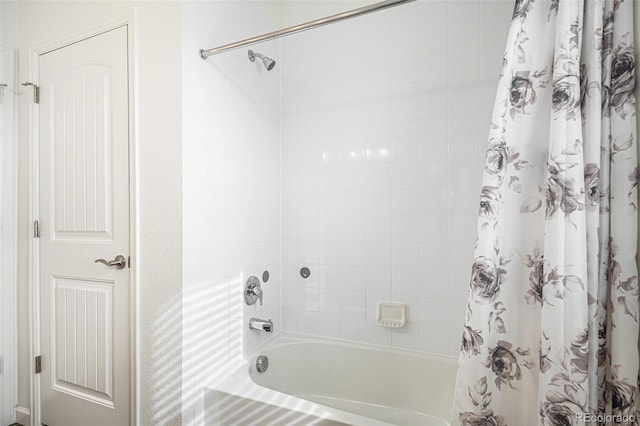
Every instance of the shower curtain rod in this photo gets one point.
(204, 54)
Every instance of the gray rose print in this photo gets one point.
(536, 276)
(504, 364)
(521, 8)
(522, 90)
(633, 178)
(623, 78)
(584, 87)
(497, 158)
(565, 396)
(471, 341)
(481, 399)
(562, 193)
(627, 290)
(486, 419)
(507, 363)
(531, 205)
(621, 144)
(602, 340)
(555, 285)
(606, 100)
(607, 36)
(486, 279)
(490, 202)
(628, 296)
(559, 414)
(522, 93)
(521, 39)
(623, 394)
(565, 96)
(555, 174)
(592, 184)
(544, 353)
(562, 405)
(495, 321)
(553, 8)
(579, 360)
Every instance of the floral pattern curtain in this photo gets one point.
(551, 328)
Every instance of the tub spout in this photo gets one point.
(261, 325)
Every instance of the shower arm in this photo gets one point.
(204, 54)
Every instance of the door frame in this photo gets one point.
(9, 250)
(126, 18)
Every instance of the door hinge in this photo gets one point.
(2, 87)
(36, 229)
(36, 92)
(39, 364)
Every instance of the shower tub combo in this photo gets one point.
(320, 381)
(300, 380)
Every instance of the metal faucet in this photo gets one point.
(261, 325)
(257, 292)
(252, 291)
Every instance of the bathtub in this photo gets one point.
(328, 382)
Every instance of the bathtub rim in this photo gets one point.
(284, 338)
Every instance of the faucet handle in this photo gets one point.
(252, 291)
(256, 291)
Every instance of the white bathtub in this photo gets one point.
(321, 381)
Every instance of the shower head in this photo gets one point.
(268, 62)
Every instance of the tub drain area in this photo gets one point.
(262, 363)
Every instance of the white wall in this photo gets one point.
(384, 126)
(8, 217)
(159, 188)
(231, 189)
(295, 12)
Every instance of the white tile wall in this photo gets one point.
(232, 185)
(359, 157)
(384, 124)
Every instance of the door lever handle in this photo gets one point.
(119, 262)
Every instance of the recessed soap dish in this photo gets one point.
(391, 314)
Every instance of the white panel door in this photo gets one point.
(84, 216)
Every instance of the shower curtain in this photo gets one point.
(551, 328)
